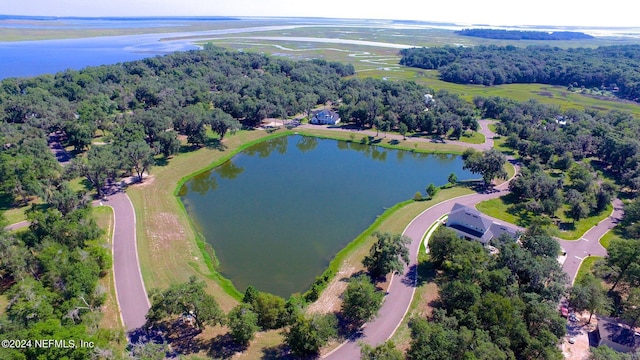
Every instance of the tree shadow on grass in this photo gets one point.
(278, 352)
(223, 347)
(215, 144)
(426, 273)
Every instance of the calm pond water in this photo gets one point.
(277, 213)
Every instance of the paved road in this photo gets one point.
(402, 288)
(18, 225)
(57, 149)
(589, 243)
(484, 130)
(130, 290)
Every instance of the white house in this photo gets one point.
(325, 117)
(470, 223)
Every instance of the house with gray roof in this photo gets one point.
(620, 337)
(472, 224)
(325, 117)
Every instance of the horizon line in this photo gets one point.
(233, 17)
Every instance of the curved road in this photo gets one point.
(402, 288)
(131, 294)
(589, 243)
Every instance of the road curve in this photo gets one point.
(130, 291)
(402, 288)
(589, 243)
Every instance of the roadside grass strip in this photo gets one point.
(432, 229)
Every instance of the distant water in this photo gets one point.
(31, 58)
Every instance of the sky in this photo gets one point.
(588, 13)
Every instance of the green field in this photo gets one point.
(605, 240)
(586, 266)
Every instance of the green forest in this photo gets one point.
(124, 119)
(612, 68)
(523, 34)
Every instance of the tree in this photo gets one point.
(221, 122)
(632, 307)
(100, 165)
(622, 255)
(168, 143)
(402, 129)
(188, 299)
(30, 303)
(139, 156)
(271, 310)
(384, 351)
(603, 352)
(243, 323)
(489, 164)
(387, 255)
(360, 301)
(452, 179)
(577, 207)
(588, 294)
(541, 245)
(431, 190)
(307, 335)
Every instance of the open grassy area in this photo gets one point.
(408, 144)
(505, 208)
(472, 137)
(605, 240)
(586, 266)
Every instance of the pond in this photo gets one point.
(278, 212)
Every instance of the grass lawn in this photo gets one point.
(504, 208)
(408, 144)
(110, 311)
(605, 240)
(472, 137)
(586, 266)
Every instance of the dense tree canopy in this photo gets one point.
(608, 67)
(523, 34)
(492, 306)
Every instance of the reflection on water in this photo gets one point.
(278, 212)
